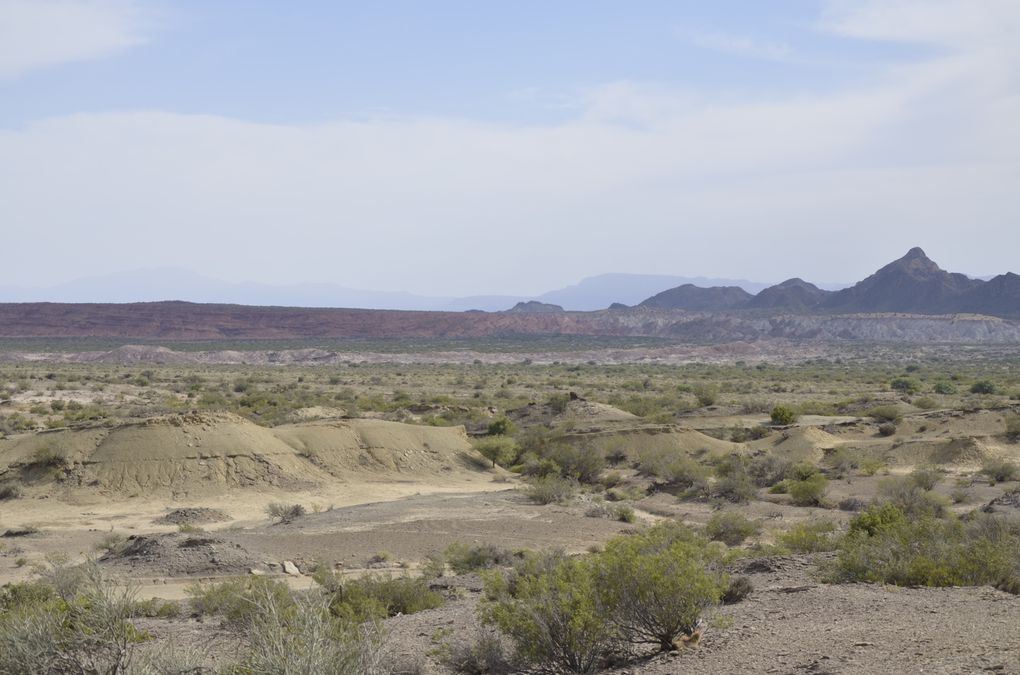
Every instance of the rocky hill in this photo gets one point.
(911, 299)
(914, 284)
(695, 298)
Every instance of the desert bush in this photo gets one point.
(236, 599)
(550, 490)
(906, 385)
(88, 630)
(944, 388)
(9, 491)
(583, 464)
(285, 513)
(706, 394)
(852, 504)
(905, 494)
(463, 558)
(886, 429)
(299, 634)
(553, 618)
(110, 542)
(621, 512)
(809, 537)
(536, 467)
(377, 597)
(574, 613)
(498, 450)
(737, 590)
(1001, 470)
(51, 457)
(734, 482)
(658, 584)
(926, 478)
(985, 387)
(885, 545)
(809, 491)
(925, 403)
(767, 470)
(842, 461)
(501, 426)
(731, 528)
(884, 413)
(481, 655)
(801, 471)
(783, 415)
(675, 470)
(1013, 427)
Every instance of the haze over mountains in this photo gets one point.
(591, 293)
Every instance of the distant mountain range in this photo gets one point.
(592, 293)
(914, 284)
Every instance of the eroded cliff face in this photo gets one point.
(185, 321)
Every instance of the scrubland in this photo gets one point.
(818, 509)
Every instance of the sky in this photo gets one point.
(460, 147)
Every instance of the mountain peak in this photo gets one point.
(916, 252)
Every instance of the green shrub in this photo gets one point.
(906, 385)
(905, 494)
(926, 403)
(376, 597)
(656, 587)
(737, 590)
(1001, 470)
(886, 428)
(706, 394)
(550, 490)
(583, 464)
(50, 457)
(1013, 427)
(731, 528)
(236, 599)
(802, 471)
(884, 413)
(501, 426)
(573, 614)
(498, 450)
(285, 513)
(944, 388)
(783, 415)
(809, 537)
(767, 470)
(808, 492)
(463, 558)
(926, 479)
(983, 387)
(895, 549)
(553, 618)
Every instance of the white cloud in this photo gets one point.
(644, 178)
(39, 33)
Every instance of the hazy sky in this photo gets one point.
(477, 147)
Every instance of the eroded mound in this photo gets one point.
(806, 444)
(192, 516)
(178, 554)
(203, 453)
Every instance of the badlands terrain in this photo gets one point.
(174, 468)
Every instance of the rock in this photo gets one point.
(291, 569)
(256, 572)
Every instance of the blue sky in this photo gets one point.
(466, 147)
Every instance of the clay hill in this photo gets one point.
(909, 300)
(195, 454)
